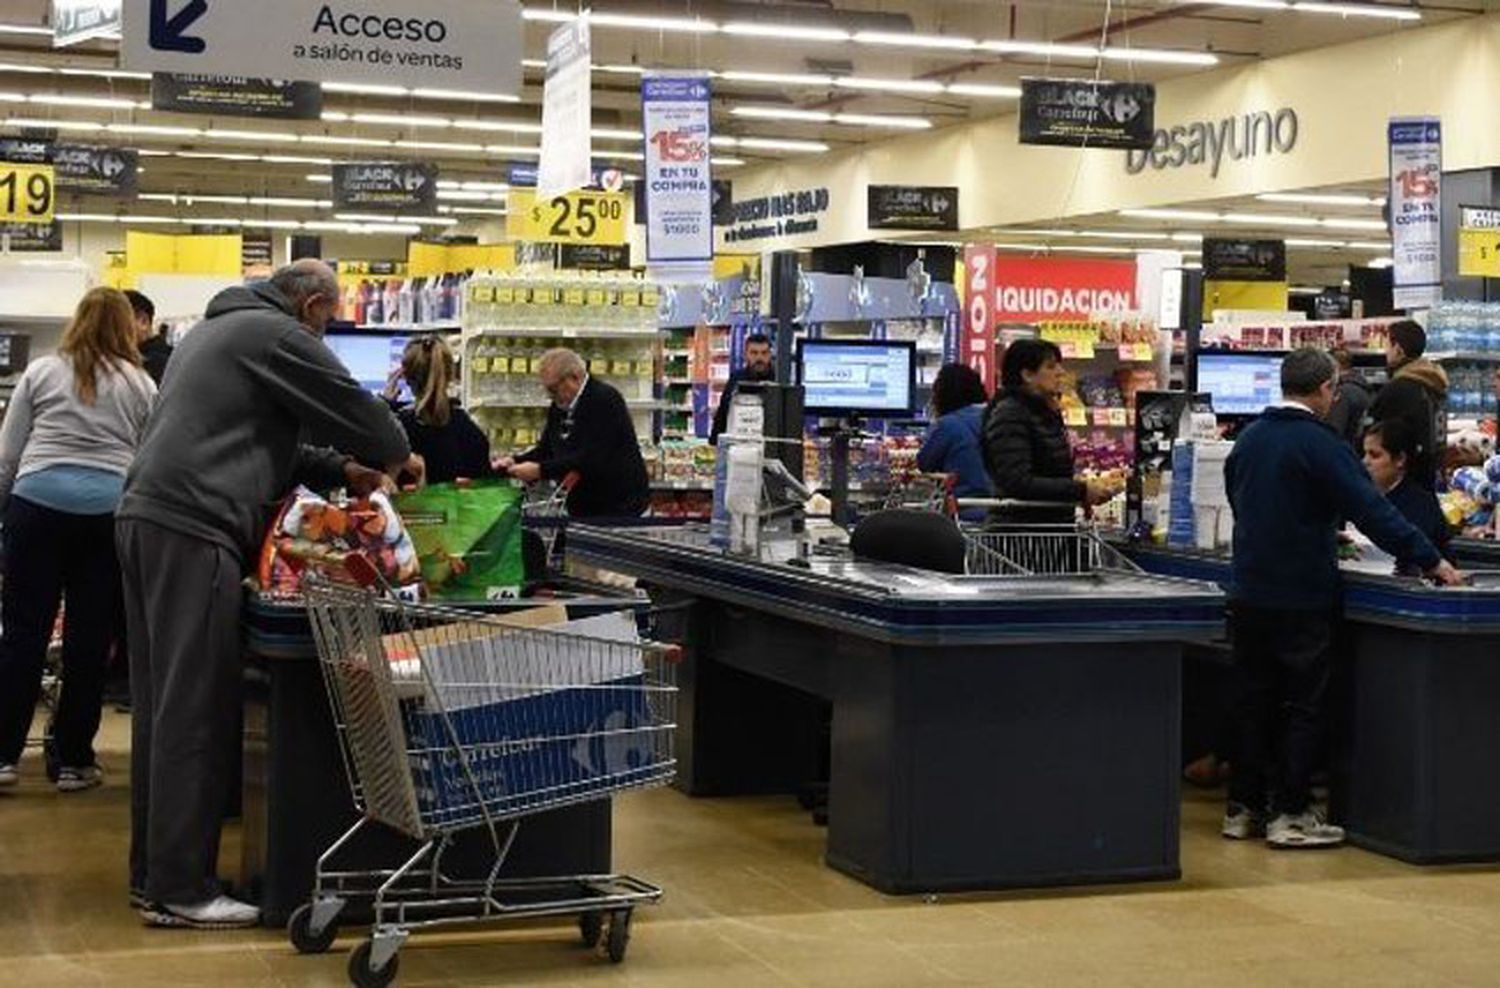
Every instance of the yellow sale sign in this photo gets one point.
(576, 218)
(27, 193)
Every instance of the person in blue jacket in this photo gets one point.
(952, 445)
(1292, 480)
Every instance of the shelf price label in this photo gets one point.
(576, 218)
(27, 193)
(1478, 253)
(1075, 416)
(1137, 351)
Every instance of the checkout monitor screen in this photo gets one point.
(370, 357)
(849, 377)
(1241, 383)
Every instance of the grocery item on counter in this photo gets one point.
(467, 537)
(311, 529)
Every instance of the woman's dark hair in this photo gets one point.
(429, 365)
(1397, 438)
(1026, 355)
(957, 386)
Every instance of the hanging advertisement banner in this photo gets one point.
(77, 21)
(97, 171)
(913, 207)
(257, 254)
(454, 45)
(567, 112)
(1244, 260)
(1030, 290)
(236, 96)
(1416, 154)
(386, 185)
(1478, 242)
(1088, 113)
(32, 238)
(678, 176)
(976, 346)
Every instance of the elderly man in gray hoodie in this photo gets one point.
(252, 404)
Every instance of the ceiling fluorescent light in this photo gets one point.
(1187, 238)
(983, 90)
(882, 120)
(1358, 10)
(448, 146)
(213, 221)
(462, 195)
(617, 69)
(620, 155)
(1258, 219)
(354, 142)
(780, 113)
(26, 29)
(719, 162)
(671, 25)
(546, 16)
(371, 218)
(915, 40)
(1159, 56)
(12, 98)
(1320, 199)
(510, 149)
(289, 203)
(292, 159)
(1185, 215)
(482, 186)
(472, 211)
(769, 144)
(1045, 49)
(499, 126)
(87, 102)
(889, 85)
(778, 78)
(25, 69)
(153, 130)
(400, 120)
(270, 137)
(1368, 245)
(78, 125)
(104, 74)
(320, 179)
(458, 95)
(1381, 262)
(610, 134)
(1301, 242)
(364, 89)
(334, 116)
(1255, 4)
(786, 32)
(1333, 224)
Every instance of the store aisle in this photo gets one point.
(749, 905)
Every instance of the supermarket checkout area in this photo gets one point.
(1416, 737)
(295, 793)
(986, 732)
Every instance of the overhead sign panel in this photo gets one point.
(576, 218)
(33, 238)
(236, 96)
(1087, 113)
(678, 175)
(386, 185)
(438, 44)
(77, 21)
(567, 112)
(1416, 152)
(82, 168)
(1244, 260)
(913, 207)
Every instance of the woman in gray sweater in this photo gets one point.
(69, 437)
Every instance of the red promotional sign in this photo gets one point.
(1050, 289)
(977, 343)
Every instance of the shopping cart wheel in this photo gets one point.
(361, 975)
(619, 935)
(299, 929)
(591, 926)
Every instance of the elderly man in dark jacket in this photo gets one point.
(1026, 449)
(249, 388)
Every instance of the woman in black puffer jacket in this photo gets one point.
(1026, 449)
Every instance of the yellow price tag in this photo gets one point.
(482, 294)
(1478, 253)
(630, 299)
(1117, 417)
(481, 365)
(576, 218)
(27, 193)
(620, 368)
(597, 298)
(500, 365)
(574, 296)
(505, 296)
(1075, 416)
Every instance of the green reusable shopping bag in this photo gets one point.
(468, 538)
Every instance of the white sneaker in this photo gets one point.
(1306, 829)
(9, 775)
(222, 913)
(79, 779)
(1243, 823)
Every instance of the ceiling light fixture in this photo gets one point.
(1321, 199)
(26, 29)
(983, 90)
(889, 85)
(786, 32)
(1358, 10)
(937, 41)
(270, 137)
(669, 25)
(472, 211)
(401, 120)
(820, 116)
(1159, 56)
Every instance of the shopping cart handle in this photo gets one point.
(569, 482)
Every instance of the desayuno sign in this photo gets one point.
(437, 44)
(1212, 142)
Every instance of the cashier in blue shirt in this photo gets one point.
(953, 444)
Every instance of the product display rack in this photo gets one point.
(511, 320)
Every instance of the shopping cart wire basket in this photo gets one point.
(1040, 550)
(449, 721)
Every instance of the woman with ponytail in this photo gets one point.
(441, 432)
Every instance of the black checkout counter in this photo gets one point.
(295, 794)
(1418, 733)
(986, 732)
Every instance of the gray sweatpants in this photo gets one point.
(182, 606)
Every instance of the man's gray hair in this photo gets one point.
(1306, 370)
(564, 363)
(303, 279)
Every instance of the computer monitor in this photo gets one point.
(370, 357)
(845, 378)
(1241, 383)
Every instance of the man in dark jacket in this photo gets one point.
(155, 350)
(1291, 480)
(759, 368)
(589, 432)
(1351, 402)
(249, 387)
(1416, 394)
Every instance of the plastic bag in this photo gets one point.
(310, 528)
(468, 538)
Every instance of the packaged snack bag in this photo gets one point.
(310, 527)
(468, 538)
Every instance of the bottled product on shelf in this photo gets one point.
(421, 301)
(1464, 327)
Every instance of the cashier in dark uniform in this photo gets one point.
(759, 369)
(589, 432)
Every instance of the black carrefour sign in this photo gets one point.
(1085, 113)
(913, 207)
(594, 257)
(33, 237)
(1244, 260)
(392, 185)
(235, 96)
(80, 168)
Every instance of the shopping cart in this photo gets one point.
(546, 512)
(923, 492)
(1041, 550)
(450, 721)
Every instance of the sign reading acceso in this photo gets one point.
(1087, 113)
(439, 44)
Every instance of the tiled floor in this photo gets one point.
(749, 904)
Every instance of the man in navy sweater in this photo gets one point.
(1291, 482)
